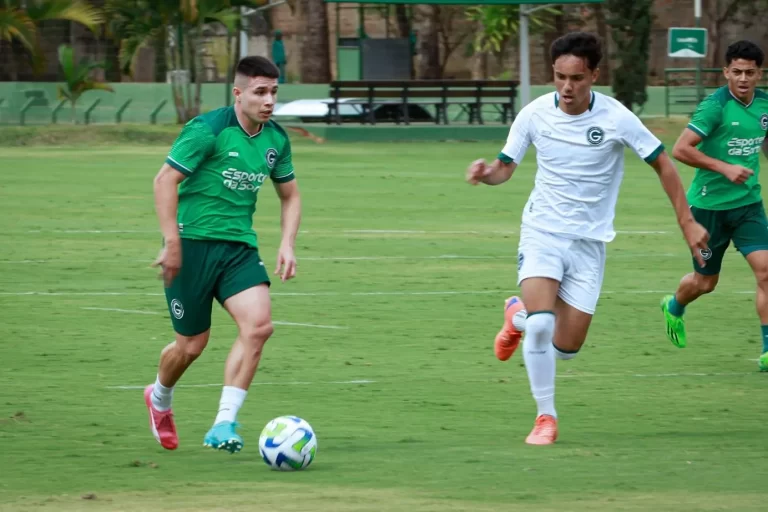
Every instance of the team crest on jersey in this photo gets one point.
(595, 135)
(271, 157)
(764, 121)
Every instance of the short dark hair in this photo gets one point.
(579, 44)
(746, 50)
(255, 65)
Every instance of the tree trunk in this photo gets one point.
(176, 91)
(428, 44)
(9, 70)
(403, 23)
(315, 52)
(602, 31)
(480, 66)
(197, 58)
(549, 38)
(161, 56)
(713, 33)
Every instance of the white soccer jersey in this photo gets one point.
(580, 163)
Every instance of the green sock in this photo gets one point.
(764, 328)
(678, 309)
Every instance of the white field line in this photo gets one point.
(276, 322)
(118, 310)
(338, 232)
(336, 294)
(256, 383)
(509, 257)
(561, 376)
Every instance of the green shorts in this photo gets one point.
(747, 226)
(209, 269)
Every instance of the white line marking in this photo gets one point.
(420, 232)
(338, 294)
(561, 376)
(634, 232)
(716, 374)
(510, 257)
(84, 294)
(256, 383)
(295, 324)
(118, 310)
(276, 322)
(93, 231)
(379, 258)
(336, 232)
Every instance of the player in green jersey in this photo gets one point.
(205, 197)
(723, 141)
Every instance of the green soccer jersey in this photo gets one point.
(732, 132)
(225, 168)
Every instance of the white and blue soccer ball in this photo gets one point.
(288, 443)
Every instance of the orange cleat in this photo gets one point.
(509, 337)
(544, 431)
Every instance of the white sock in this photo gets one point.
(563, 356)
(518, 320)
(232, 399)
(161, 396)
(539, 357)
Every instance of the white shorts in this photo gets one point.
(578, 265)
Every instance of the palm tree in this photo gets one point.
(19, 21)
(77, 77)
(178, 25)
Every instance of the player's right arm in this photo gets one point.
(166, 205)
(705, 121)
(502, 168)
(193, 145)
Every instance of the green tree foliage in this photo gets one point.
(630, 24)
(77, 77)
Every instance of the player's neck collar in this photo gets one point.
(754, 93)
(250, 135)
(591, 101)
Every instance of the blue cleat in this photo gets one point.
(222, 436)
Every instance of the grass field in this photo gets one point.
(403, 269)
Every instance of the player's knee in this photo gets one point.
(257, 334)
(706, 284)
(761, 275)
(539, 327)
(192, 347)
(565, 354)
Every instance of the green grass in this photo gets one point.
(644, 425)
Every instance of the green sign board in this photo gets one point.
(687, 42)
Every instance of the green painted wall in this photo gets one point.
(146, 96)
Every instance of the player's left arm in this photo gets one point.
(648, 147)
(695, 234)
(287, 189)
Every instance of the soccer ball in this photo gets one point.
(288, 443)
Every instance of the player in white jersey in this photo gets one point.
(580, 137)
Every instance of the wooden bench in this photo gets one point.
(470, 95)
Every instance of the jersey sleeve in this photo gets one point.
(636, 136)
(194, 144)
(706, 118)
(519, 138)
(283, 171)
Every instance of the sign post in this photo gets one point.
(686, 42)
